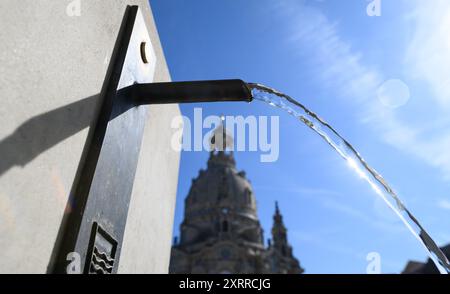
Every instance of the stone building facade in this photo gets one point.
(428, 267)
(221, 232)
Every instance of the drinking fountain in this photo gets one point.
(95, 224)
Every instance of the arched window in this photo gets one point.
(224, 226)
(248, 196)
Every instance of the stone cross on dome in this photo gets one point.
(220, 140)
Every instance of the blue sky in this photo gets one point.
(334, 58)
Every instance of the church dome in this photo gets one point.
(221, 232)
(221, 185)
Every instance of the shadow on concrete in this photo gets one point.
(44, 131)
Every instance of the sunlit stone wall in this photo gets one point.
(53, 60)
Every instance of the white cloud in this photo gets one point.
(321, 241)
(427, 57)
(332, 59)
(340, 68)
(444, 204)
(310, 191)
(432, 149)
(377, 221)
(383, 218)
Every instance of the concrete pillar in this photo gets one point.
(53, 59)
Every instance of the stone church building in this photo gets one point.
(221, 232)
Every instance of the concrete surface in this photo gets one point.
(52, 68)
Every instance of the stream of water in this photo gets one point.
(357, 164)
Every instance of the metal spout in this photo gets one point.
(191, 92)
